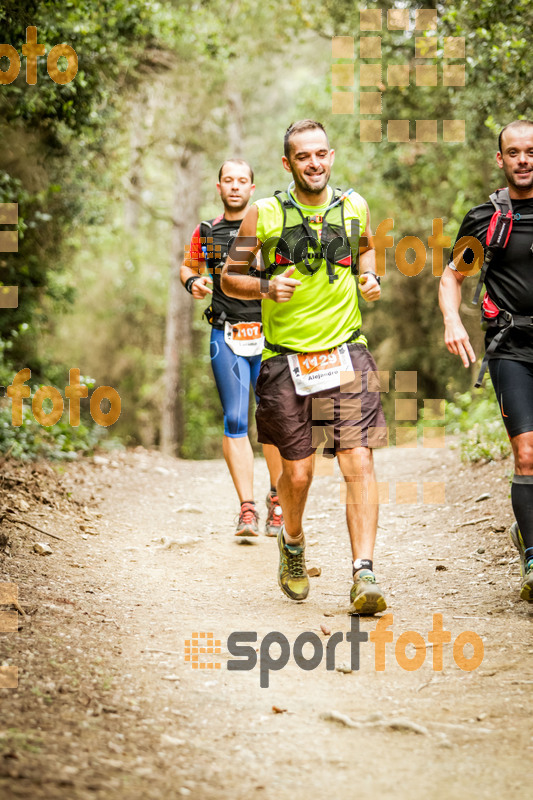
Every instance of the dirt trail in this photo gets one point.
(108, 707)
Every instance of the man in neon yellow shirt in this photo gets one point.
(317, 376)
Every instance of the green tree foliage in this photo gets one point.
(416, 182)
(475, 417)
(221, 78)
(122, 275)
(52, 134)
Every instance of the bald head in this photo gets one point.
(516, 125)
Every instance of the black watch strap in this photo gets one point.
(189, 282)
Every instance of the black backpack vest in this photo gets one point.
(299, 244)
(216, 237)
(499, 231)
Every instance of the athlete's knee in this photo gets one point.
(235, 426)
(366, 458)
(235, 420)
(298, 473)
(356, 462)
(523, 456)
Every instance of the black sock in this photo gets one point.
(522, 500)
(248, 501)
(273, 490)
(362, 563)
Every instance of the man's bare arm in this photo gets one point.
(236, 282)
(194, 268)
(455, 336)
(368, 285)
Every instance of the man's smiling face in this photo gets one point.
(516, 158)
(310, 160)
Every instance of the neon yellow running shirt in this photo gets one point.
(320, 315)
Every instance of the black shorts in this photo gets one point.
(329, 420)
(513, 384)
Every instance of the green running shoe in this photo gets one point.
(526, 569)
(366, 597)
(292, 574)
(274, 515)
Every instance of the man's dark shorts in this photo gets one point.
(330, 420)
(513, 384)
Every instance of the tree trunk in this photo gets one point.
(142, 123)
(235, 125)
(179, 334)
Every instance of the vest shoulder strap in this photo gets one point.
(206, 225)
(336, 196)
(285, 203)
(501, 200)
(283, 198)
(281, 195)
(498, 233)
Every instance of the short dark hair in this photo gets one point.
(235, 161)
(517, 123)
(299, 127)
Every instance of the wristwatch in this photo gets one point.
(189, 282)
(374, 274)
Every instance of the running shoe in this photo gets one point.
(292, 574)
(526, 569)
(366, 597)
(274, 515)
(248, 521)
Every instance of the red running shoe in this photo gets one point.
(248, 521)
(274, 515)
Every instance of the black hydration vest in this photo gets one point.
(299, 244)
(499, 231)
(216, 237)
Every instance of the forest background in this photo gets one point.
(112, 171)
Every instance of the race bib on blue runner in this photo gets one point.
(244, 338)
